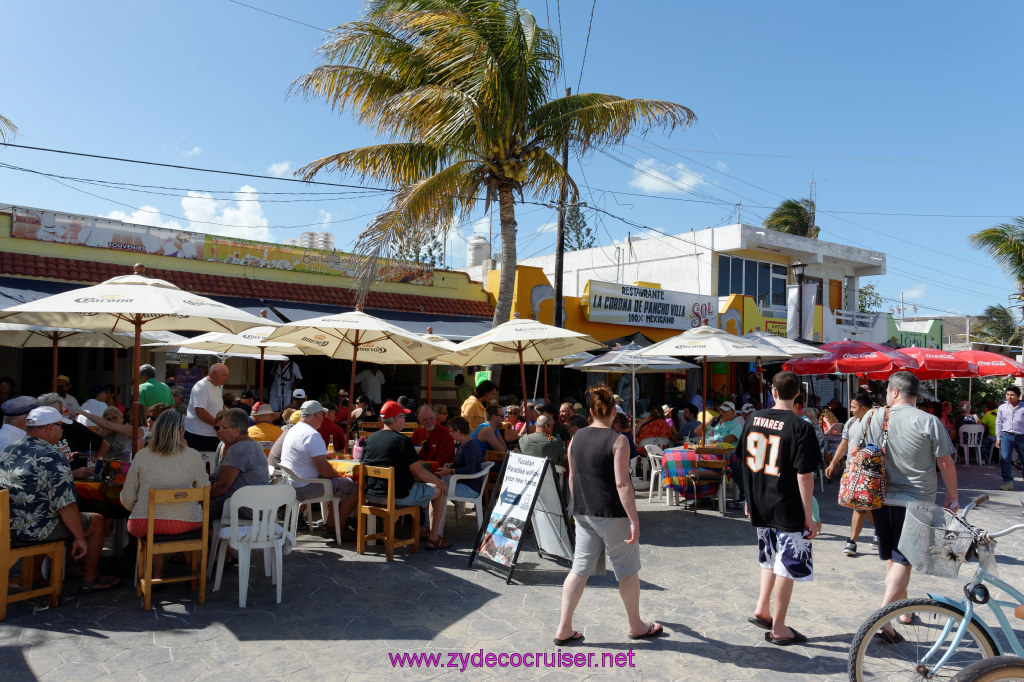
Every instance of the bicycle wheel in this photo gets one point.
(871, 659)
(996, 669)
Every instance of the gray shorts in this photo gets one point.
(344, 488)
(598, 537)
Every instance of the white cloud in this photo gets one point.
(195, 151)
(482, 226)
(654, 177)
(550, 226)
(915, 292)
(241, 218)
(279, 170)
(144, 215)
(324, 221)
(721, 166)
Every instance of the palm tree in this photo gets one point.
(7, 126)
(794, 216)
(1000, 326)
(463, 88)
(1005, 244)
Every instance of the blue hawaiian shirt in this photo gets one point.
(40, 483)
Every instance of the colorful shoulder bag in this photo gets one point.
(863, 484)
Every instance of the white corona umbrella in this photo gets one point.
(626, 359)
(131, 303)
(522, 341)
(358, 336)
(795, 349)
(35, 336)
(708, 343)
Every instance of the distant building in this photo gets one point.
(315, 240)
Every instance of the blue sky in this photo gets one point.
(895, 108)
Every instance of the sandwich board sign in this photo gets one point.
(527, 495)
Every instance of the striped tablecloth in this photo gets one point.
(677, 463)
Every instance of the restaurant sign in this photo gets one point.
(105, 233)
(647, 307)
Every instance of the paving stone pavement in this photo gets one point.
(342, 614)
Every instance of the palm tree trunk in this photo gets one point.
(506, 288)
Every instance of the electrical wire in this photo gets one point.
(586, 45)
(280, 16)
(873, 159)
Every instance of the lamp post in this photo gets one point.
(798, 272)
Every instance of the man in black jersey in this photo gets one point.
(780, 454)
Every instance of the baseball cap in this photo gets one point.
(41, 416)
(727, 406)
(15, 407)
(296, 416)
(747, 408)
(299, 393)
(392, 409)
(311, 407)
(63, 379)
(248, 394)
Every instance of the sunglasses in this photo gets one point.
(218, 428)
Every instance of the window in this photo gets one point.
(766, 282)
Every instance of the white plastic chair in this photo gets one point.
(261, 532)
(661, 443)
(654, 456)
(971, 436)
(326, 498)
(478, 501)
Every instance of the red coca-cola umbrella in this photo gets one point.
(992, 364)
(934, 364)
(853, 357)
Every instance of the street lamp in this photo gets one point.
(798, 272)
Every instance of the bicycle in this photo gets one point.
(944, 634)
(997, 669)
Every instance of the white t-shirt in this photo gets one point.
(9, 434)
(207, 396)
(71, 404)
(92, 406)
(301, 444)
(371, 382)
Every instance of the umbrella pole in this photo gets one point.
(115, 372)
(536, 383)
(55, 342)
(136, 359)
(970, 386)
(522, 369)
(428, 382)
(352, 381)
(545, 381)
(632, 398)
(704, 400)
(262, 353)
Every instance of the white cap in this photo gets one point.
(299, 393)
(747, 408)
(727, 406)
(41, 416)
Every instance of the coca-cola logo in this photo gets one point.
(859, 356)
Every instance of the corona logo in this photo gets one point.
(198, 302)
(316, 341)
(104, 299)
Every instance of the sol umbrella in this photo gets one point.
(625, 359)
(128, 304)
(358, 336)
(522, 341)
(708, 343)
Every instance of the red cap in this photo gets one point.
(392, 409)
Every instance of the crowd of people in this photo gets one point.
(49, 442)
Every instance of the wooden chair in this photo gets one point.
(709, 471)
(387, 512)
(194, 543)
(27, 555)
(498, 457)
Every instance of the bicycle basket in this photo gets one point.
(935, 540)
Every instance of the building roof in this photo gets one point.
(92, 272)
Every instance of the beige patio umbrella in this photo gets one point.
(360, 337)
(35, 336)
(251, 342)
(522, 341)
(708, 343)
(128, 304)
(796, 349)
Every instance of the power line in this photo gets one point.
(873, 159)
(586, 45)
(193, 168)
(280, 16)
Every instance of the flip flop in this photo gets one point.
(654, 631)
(575, 638)
(797, 638)
(441, 543)
(883, 637)
(99, 585)
(763, 624)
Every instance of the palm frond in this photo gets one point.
(7, 127)
(433, 113)
(590, 120)
(794, 216)
(545, 178)
(395, 164)
(1004, 243)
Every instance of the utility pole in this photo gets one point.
(739, 213)
(814, 203)
(563, 195)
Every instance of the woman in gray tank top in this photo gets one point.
(607, 526)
